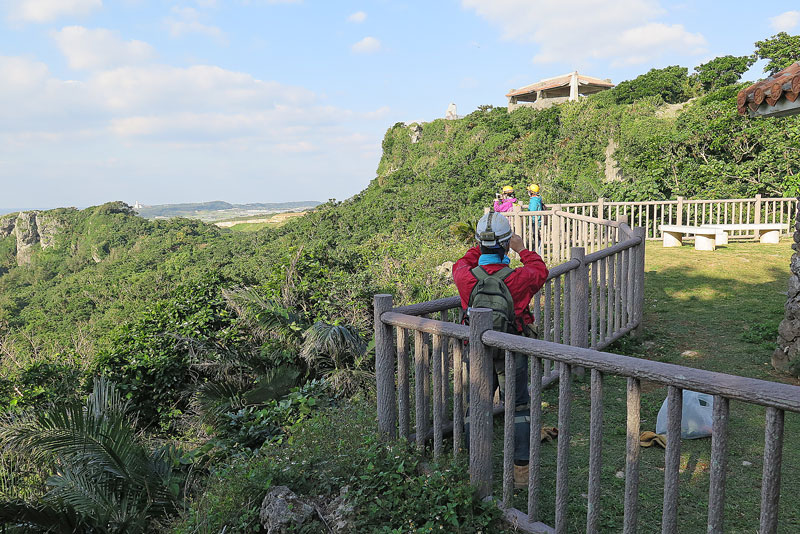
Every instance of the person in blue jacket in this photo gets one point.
(535, 203)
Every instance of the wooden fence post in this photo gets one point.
(556, 223)
(384, 370)
(516, 222)
(579, 303)
(680, 211)
(757, 213)
(480, 402)
(638, 283)
(601, 208)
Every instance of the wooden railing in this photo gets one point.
(651, 214)
(587, 303)
(552, 233)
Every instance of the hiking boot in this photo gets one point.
(520, 476)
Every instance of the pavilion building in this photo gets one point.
(549, 91)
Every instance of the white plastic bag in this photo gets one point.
(697, 417)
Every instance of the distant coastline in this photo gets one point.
(206, 211)
(218, 210)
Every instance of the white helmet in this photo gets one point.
(493, 230)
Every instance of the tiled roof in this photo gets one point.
(559, 81)
(782, 84)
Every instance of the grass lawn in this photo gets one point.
(711, 310)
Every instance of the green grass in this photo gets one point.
(711, 310)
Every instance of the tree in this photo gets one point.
(669, 83)
(780, 50)
(722, 71)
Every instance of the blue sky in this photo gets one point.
(166, 101)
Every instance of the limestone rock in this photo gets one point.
(47, 227)
(281, 509)
(612, 172)
(445, 269)
(787, 354)
(27, 236)
(794, 264)
(339, 513)
(780, 360)
(794, 286)
(7, 225)
(416, 132)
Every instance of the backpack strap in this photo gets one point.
(480, 273)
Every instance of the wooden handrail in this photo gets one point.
(752, 390)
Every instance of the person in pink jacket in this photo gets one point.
(506, 200)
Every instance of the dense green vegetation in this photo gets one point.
(246, 348)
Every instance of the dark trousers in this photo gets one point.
(522, 399)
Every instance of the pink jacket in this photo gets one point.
(504, 205)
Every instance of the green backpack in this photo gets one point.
(492, 292)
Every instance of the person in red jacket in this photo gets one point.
(523, 283)
(495, 239)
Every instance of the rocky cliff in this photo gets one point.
(31, 230)
(787, 355)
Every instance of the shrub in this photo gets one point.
(337, 447)
(669, 83)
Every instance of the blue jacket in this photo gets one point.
(535, 203)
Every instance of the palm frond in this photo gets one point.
(106, 476)
(333, 344)
(26, 517)
(464, 231)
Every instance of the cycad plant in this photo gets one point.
(464, 231)
(104, 478)
(339, 354)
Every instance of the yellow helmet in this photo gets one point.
(507, 189)
(533, 188)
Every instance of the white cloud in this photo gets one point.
(367, 45)
(785, 21)
(176, 134)
(357, 17)
(161, 88)
(201, 103)
(187, 20)
(47, 10)
(87, 49)
(626, 31)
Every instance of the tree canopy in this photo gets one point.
(780, 51)
(722, 71)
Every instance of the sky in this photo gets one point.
(169, 101)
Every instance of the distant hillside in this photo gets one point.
(217, 210)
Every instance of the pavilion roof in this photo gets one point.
(775, 96)
(560, 81)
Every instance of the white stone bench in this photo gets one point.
(704, 238)
(766, 232)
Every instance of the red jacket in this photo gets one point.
(523, 283)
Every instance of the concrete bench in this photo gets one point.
(704, 238)
(766, 232)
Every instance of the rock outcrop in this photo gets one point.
(27, 234)
(416, 132)
(31, 230)
(7, 223)
(282, 509)
(787, 356)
